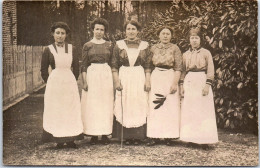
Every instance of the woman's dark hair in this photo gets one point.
(62, 25)
(135, 23)
(100, 21)
(164, 27)
(195, 31)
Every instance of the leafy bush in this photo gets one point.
(230, 33)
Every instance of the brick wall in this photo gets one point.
(9, 35)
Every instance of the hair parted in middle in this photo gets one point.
(195, 31)
(100, 21)
(164, 27)
(133, 22)
(62, 25)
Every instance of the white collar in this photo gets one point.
(96, 41)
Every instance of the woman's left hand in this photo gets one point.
(205, 90)
(173, 89)
(147, 86)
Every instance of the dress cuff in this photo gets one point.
(209, 81)
(147, 70)
(113, 69)
(84, 69)
(181, 82)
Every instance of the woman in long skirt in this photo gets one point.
(97, 94)
(198, 121)
(62, 113)
(131, 72)
(164, 100)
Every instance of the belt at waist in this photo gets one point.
(197, 71)
(130, 66)
(98, 63)
(164, 67)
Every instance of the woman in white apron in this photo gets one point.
(97, 94)
(164, 101)
(62, 113)
(131, 72)
(198, 121)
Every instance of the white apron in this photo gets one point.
(62, 112)
(164, 121)
(97, 102)
(198, 121)
(134, 98)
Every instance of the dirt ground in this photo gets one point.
(22, 130)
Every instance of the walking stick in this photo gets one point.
(122, 128)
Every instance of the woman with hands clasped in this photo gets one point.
(164, 101)
(198, 121)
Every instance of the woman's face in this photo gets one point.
(165, 36)
(59, 35)
(131, 31)
(99, 31)
(195, 41)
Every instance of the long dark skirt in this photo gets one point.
(128, 133)
(47, 137)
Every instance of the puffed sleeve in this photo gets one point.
(183, 71)
(177, 59)
(111, 47)
(210, 68)
(45, 62)
(85, 58)
(115, 59)
(148, 60)
(75, 63)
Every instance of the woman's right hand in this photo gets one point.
(85, 86)
(119, 87)
(181, 91)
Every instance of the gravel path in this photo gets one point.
(22, 128)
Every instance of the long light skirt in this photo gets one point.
(134, 98)
(97, 102)
(164, 121)
(198, 121)
(62, 113)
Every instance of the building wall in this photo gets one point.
(9, 34)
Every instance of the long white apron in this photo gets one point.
(134, 98)
(164, 121)
(198, 121)
(97, 102)
(62, 112)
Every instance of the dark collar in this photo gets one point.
(136, 41)
(192, 50)
(66, 47)
(164, 46)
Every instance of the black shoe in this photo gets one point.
(105, 140)
(60, 145)
(205, 147)
(93, 140)
(168, 141)
(137, 141)
(151, 142)
(128, 142)
(72, 145)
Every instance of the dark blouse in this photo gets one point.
(120, 57)
(95, 53)
(48, 59)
